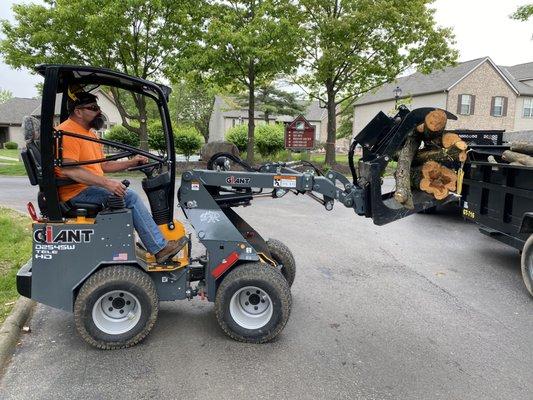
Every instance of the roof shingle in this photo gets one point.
(12, 111)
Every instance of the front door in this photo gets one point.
(4, 135)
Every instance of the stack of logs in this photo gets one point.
(430, 167)
(520, 153)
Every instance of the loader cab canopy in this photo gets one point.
(58, 81)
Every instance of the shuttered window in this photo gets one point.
(498, 105)
(465, 104)
(528, 108)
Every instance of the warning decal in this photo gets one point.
(285, 181)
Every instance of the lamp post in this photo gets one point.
(397, 93)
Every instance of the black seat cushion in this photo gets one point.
(70, 210)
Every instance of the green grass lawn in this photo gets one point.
(15, 250)
(12, 169)
(10, 153)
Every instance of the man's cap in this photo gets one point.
(79, 98)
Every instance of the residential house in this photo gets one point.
(482, 94)
(226, 115)
(11, 114)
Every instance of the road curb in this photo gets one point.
(12, 327)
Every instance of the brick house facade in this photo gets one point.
(481, 94)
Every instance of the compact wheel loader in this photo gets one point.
(86, 259)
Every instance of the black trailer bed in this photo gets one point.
(499, 197)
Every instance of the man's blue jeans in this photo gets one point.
(144, 224)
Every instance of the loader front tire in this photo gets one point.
(527, 264)
(253, 303)
(116, 307)
(282, 255)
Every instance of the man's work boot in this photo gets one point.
(172, 247)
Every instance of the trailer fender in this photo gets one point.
(527, 223)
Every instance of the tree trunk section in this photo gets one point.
(522, 147)
(512, 157)
(332, 126)
(403, 193)
(251, 114)
(143, 135)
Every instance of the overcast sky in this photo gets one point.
(482, 28)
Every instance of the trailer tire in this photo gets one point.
(116, 307)
(527, 264)
(253, 303)
(282, 255)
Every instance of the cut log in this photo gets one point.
(512, 156)
(402, 175)
(522, 147)
(435, 121)
(435, 179)
(440, 155)
(453, 139)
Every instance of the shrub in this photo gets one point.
(238, 135)
(11, 145)
(269, 139)
(121, 134)
(188, 140)
(156, 137)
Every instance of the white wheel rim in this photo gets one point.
(116, 312)
(251, 307)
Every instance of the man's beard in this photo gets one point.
(97, 123)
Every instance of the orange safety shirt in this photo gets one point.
(79, 150)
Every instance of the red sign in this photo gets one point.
(300, 135)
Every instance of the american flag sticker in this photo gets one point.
(120, 257)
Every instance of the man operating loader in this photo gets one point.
(92, 186)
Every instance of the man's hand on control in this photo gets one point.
(116, 187)
(139, 160)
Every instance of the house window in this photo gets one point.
(497, 111)
(528, 108)
(465, 105)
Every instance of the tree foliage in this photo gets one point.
(191, 103)
(138, 37)
(248, 43)
(5, 95)
(523, 13)
(354, 46)
(273, 101)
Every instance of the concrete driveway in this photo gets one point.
(424, 308)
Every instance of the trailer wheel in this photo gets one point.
(283, 256)
(116, 308)
(527, 264)
(253, 303)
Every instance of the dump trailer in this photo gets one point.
(499, 198)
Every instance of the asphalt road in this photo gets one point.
(423, 308)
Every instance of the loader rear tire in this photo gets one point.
(116, 307)
(253, 303)
(527, 264)
(282, 255)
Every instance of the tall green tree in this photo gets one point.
(354, 46)
(137, 37)
(273, 101)
(523, 13)
(5, 95)
(191, 103)
(248, 43)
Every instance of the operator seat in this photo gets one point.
(31, 157)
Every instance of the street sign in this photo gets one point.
(300, 134)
